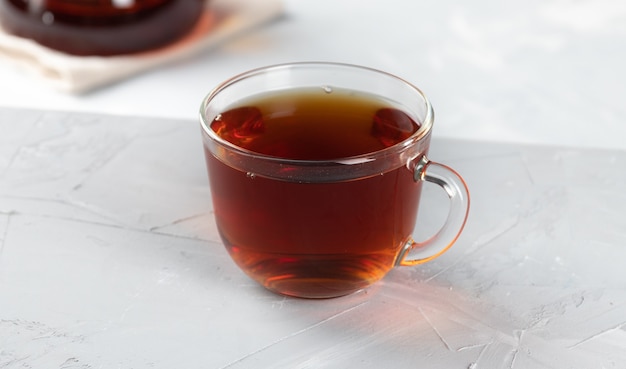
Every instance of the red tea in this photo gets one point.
(313, 239)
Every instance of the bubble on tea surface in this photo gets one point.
(327, 89)
(239, 125)
(391, 126)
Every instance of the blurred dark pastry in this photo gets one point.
(100, 27)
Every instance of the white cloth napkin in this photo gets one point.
(221, 20)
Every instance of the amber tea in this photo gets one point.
(313, 239)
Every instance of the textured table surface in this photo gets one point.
(109, 258)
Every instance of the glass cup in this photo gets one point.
(313, 226)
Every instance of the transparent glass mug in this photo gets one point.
(320, 228)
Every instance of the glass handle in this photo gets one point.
(453, 184)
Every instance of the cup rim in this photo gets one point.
(424, 130)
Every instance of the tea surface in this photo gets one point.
(314, 124)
